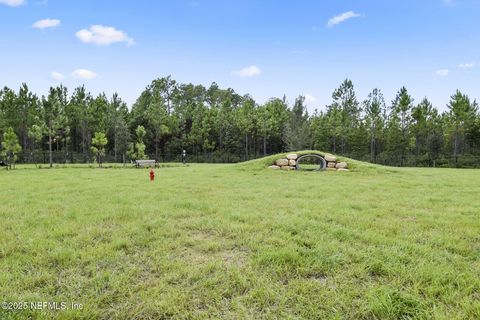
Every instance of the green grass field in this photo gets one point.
(241, 242)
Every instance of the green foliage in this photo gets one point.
(462, 115)
(99, 141)
(36, 133)
(296, 133)
(339, 126)
(399, 126)
(137, 149)
(217, 124)
(55, 119)
(375, 112)
(10, 147)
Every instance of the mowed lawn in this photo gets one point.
(241, 242)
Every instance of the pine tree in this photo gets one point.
(137, 149)
(374, 108)
(53, 111)
(10, 147)
(398, 128)
(297, 133)
(421, 115)
(99, 141)
(461, 115)
(346, 108)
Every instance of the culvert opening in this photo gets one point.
(311, 162)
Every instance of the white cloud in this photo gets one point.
(56, 76)
(12, 3)
(443, 72)
(342, 18)
(309, 98)
(46, 23)
(103, 35)
(250, 71)
(468, 65)
(84, 74)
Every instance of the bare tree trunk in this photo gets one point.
(85, 142)
(246, 147)
(65, 151)
(50, 158)
(115, 144)
(455, 149)
(25, 138)
(372, 149)
(264, 145)
(220, 139)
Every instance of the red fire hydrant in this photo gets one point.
(152, 175)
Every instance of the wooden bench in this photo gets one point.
(145, 163)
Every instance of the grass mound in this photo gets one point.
(263, 163)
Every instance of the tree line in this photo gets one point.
(219, 125)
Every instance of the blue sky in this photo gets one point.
(267, 48)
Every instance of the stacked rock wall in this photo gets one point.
(290, 163)
(334, 165)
